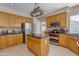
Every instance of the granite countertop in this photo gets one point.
(39, 35)
(10, 34)
(73, 34)
(76, 36)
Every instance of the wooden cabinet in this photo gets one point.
(2, 39)
(56, 18)
(29, 43)
(34, 45)
(60, 17)
(10, 40)
(10, 20)
(70, 44)
(39, 46)
(62, 40)
(73, 44)
(48, 21)
(19, 39)
(27, 20)
(63, 19)
(45, 45)
(15, 39)
(69, 41)
(0, 42)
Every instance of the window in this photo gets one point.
(74, 24)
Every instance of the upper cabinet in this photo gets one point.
(60, 17)
(48, 21)
(10, 20)
(63, 19)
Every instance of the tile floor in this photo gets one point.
(21, 50)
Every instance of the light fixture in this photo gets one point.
(11, 4)
(36, 11)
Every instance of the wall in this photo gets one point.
(39, 25)
(74, 10)
(36, 25)
(65, 9)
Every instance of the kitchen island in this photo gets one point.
(39, 45)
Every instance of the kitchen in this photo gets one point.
(39, 30)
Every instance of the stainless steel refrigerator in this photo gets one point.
(26, 30)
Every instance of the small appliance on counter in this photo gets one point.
(78, 43)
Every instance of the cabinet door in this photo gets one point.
(17, 21)
(2, 19)
(62, 40)
(48, 21)
(53, 19)
(67, 41)
(19, 38)
(73, 44)
(26, 20)
(5, 41)
(63, 19)
(70, 42)
(75, 48)
(9, 21)
(29, 44)
(10, 40)
(56, 18)
(36, 47)
(1, 42)
(29, 20)
(45, 46)
(13, 20)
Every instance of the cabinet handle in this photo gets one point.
(78, 43)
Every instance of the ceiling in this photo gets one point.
(28, 7)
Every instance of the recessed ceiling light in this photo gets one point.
(11, 4)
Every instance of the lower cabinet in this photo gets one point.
(73, 44)
(2, 42)
(62, 40)
(70, 42)
(10, 40)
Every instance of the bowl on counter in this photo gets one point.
(78, 43)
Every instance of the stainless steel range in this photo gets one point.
(54, 35)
